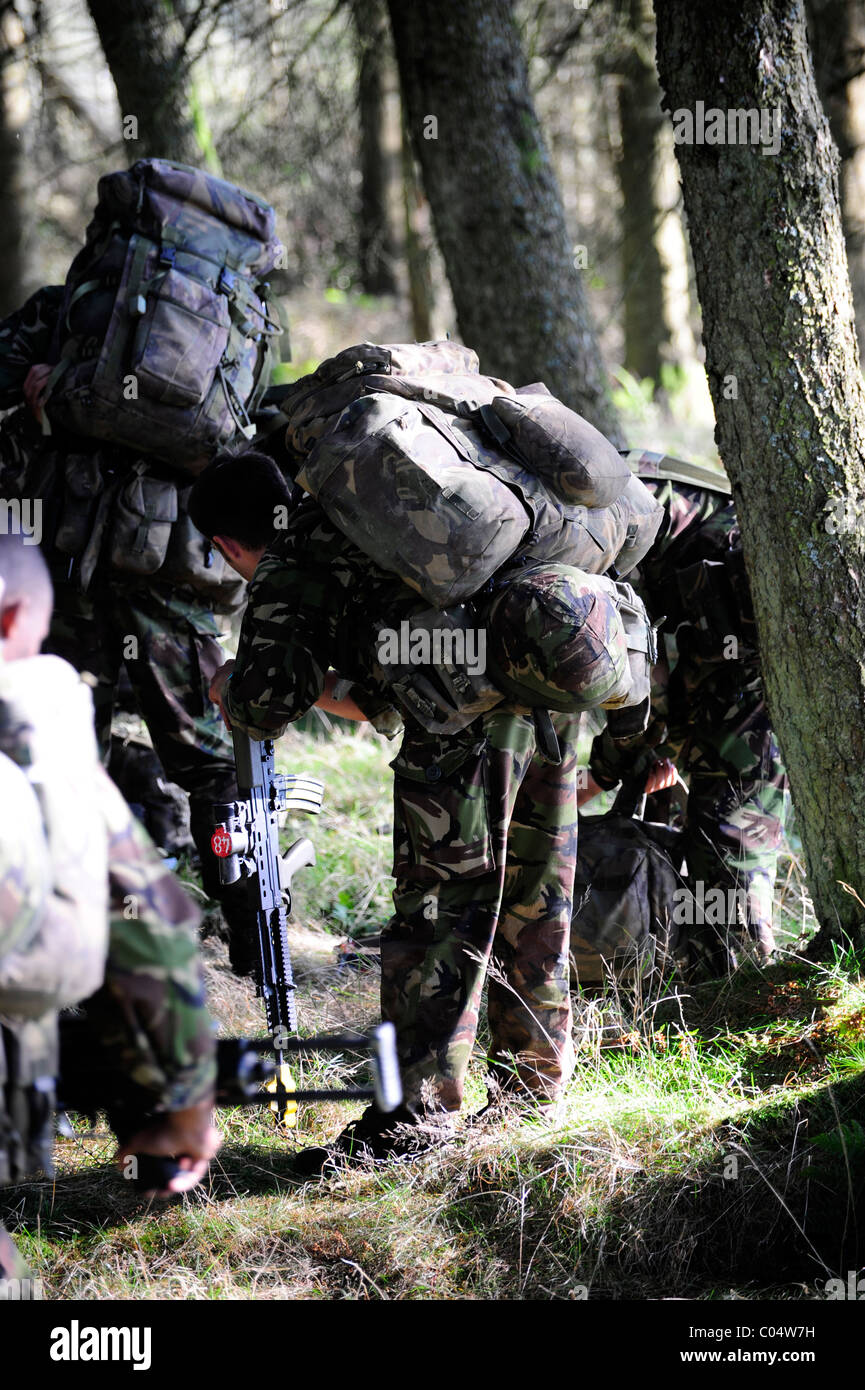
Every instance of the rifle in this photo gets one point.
(246, 842)
(89, 1082)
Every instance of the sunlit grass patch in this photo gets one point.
(348, 889)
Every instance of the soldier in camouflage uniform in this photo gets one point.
(709, 703)
(485, 828)
(165, 633)
(85, 904)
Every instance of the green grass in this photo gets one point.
(710, 1144)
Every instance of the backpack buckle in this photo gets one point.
(226, 282)
(166, 255)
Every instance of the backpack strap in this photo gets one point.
(548, 740)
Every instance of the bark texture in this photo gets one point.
(783, 367)
(143, 45)
(417, 246)
(838, 46)
(496, 206)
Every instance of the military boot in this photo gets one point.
(375, 1138)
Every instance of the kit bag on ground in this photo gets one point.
(631, 901)
(443, 476)
(165, 336)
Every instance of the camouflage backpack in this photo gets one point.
(548, 637)
(164, 341)
(442, 475)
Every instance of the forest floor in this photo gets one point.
(708, 1147)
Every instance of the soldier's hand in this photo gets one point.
(217, 689)
(187, 1136)
(35, 385)
(661, 775)
(608, 762)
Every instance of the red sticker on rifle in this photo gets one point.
(220, 842)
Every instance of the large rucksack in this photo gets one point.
(443, 476)
(165, 338)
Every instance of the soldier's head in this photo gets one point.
(240, 502)
(26, 598)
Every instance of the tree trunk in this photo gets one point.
(143, 45)
(838, 45)
(783, 368)
(418, 248)
(496, 207)
(376, 248)
(654, 259)
(15, 163)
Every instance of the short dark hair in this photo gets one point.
(237, 496)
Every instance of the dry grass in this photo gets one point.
(707, 1146)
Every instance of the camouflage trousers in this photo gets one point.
(485, 839)
(719, 735)
(170, 650)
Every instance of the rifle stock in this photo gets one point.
(89, 1082)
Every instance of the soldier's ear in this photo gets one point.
(10, 616)
(229, 549)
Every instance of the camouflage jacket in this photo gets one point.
(25, 339)
(315, 602)
(694, 576)
(694, 584)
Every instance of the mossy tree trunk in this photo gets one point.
(496, 206)
(783, 367)
(144, 47)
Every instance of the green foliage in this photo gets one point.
(284, 373)
(348, 889)
(845, 1141)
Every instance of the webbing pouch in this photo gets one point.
(143, 514)
(82, 485)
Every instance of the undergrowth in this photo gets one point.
(710, 1143)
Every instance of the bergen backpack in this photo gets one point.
(165, 337)
(444, 476)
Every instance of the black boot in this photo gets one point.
(375, 1138)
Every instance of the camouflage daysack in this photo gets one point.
(548, 637)
(164, 341)
(443, 476)
(630, 899)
